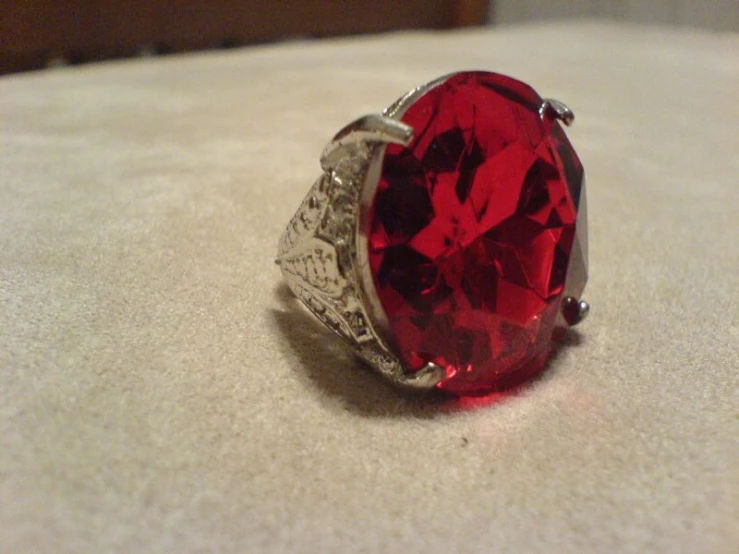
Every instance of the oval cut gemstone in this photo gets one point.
(473, 235)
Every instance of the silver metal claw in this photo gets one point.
(370, 128)
(574, 310)
(425, 379)
(554, 108)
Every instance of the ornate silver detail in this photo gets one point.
(318, 250)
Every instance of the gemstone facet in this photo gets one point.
(473, 235)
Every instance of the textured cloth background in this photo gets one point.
(160, 392)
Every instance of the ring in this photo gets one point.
(446, 239)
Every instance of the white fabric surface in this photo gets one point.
(160, 392)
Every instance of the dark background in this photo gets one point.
(40, 33)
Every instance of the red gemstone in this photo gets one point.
(472, 234)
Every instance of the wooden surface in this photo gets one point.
(35, 33)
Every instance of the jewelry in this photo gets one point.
(446, 240)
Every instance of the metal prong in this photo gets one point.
(557, 109)
(370, 128)
(425, 379)
(574, 310)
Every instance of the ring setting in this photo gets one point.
(446, 239)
